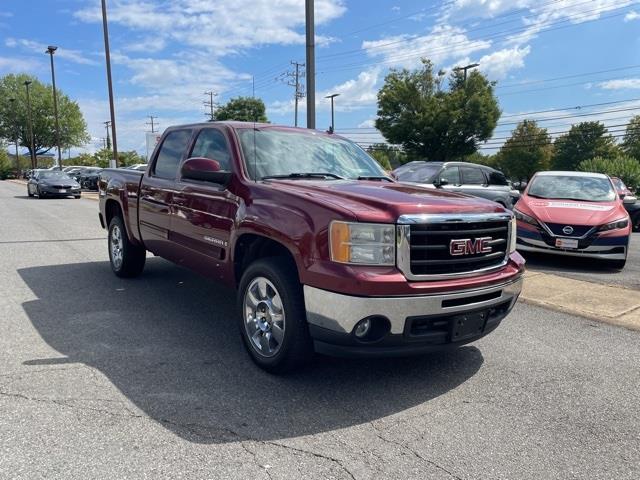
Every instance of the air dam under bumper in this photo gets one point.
(416, 324)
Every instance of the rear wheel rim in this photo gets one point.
(117, 244)
(264, 317)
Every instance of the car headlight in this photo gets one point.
(363, 243)
(513, 229)
(523, 217)
(622, 223)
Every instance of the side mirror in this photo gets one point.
(205, 170)
(441, 182)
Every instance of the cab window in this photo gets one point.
(211, 144)
(451, 175)
(498, 178)
(472, 176)
(170, 154)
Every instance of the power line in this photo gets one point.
(152, 123)
(210, 104)
(292, 78)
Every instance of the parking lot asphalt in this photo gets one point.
(147, 378)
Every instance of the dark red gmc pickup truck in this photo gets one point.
(327, 253)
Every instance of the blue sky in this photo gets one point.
(166, 53)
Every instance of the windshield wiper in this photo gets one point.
(303, 175)
(375, 177)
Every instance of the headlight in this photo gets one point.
(513, 228)
(363, 243)
(622, 223)
(523, 217)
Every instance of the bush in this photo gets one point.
(6, 169)
(626, 168)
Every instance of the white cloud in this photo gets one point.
(632, 15)
(74, 56)
(444, 42)
(498, 64)
(621, 84)
(216, 25)
(13, 65)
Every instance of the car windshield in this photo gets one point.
(270, 153)
(53, 176)
(423, 173)
(569, 187)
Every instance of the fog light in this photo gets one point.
(362, 328)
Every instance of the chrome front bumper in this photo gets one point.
(340, 313)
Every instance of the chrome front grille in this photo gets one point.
(444, 246)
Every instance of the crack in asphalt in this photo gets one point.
(190, 427)
(378, 433)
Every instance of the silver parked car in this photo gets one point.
(460, 177)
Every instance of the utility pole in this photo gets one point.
(34, 159)
(105, 28)
(292, 78)
(465, 68)
(107, 125)
(153, 125)
(332, 129)
(15, 134)
(311, 64)
(211, 105)
(51, 49)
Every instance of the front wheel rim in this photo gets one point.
(264, 317)
(117, 245)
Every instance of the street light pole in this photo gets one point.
(332, 129)
(465, 68)
(105, 28)
(51, 50)
(311, 64)
(15, 134)
(34, 159)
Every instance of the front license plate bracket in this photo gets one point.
(468, 325)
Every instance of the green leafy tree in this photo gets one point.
(432, 123)
(631, 142)
(527, 151)
(14, 115)
(584, 141)
(387, 156)
(482, 159)
(242, 109)
(6, 168)
(130, 158)
(626, 168)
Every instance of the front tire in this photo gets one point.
(127, 259)
(635, 222)
(272, 317)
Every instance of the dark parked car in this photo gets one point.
(52, 183)
(88, 178)
(460, 177)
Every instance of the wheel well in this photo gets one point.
(250, 248)
(112, 209)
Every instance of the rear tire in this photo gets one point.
(29, 194)
(76, 196)
(127, 259)
(272, 317)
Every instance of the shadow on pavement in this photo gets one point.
(168, 341)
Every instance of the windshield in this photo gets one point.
(275, 152)
(420, 173)
(54, 176)
(567, 187)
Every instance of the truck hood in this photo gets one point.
(570, 212)
(384, 202)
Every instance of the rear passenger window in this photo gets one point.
(472, 176)
(212, 144)
(497, 178)
(171, 151)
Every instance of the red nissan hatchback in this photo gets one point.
(573, 213)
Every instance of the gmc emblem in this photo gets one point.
(467, 246)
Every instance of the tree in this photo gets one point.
(584, 141)
(5, 165)
(14, 115)
(432, 123)
(527, 151)
(626, 168)
(242, 109)
(387, 156)
(631, 142)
